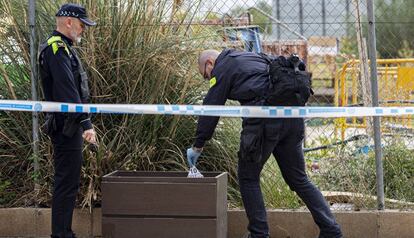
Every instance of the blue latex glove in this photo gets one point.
(192, 156)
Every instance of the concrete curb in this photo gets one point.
(32, 222)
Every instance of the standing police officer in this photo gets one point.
(64, 80)
(243, 76)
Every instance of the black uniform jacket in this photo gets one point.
(60, 82)
(237, 75)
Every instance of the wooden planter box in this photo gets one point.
(164, 204)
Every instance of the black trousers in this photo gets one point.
(283, 138)
(67, 155)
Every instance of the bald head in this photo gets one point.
(206, 61)
(207, 54)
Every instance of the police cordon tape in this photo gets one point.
(206, 110)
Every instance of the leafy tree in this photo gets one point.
(394, 31)
(258, 18)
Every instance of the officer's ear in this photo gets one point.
(210, 62)
(69, 22)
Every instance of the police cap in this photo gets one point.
(75, 10)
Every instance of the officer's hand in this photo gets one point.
(192, 155)
(90, 136)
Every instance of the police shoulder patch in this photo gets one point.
(61, 44)
(213, 82)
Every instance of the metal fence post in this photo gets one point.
(375, 103)
(276, 14)
(348, 17)
(301, 16)
(33, 75)
(323, 18)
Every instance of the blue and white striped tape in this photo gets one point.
(206, 110)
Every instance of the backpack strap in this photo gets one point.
(265, 57)
(294, 58)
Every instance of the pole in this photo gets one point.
(301, 16)
(323, 18)
(33, 76)
(276, 15)
(348, 17)
(375, 102)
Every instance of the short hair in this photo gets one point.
(207, 54)
(60, 20)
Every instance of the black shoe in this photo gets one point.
(321, 236)
(247, 235)
(73, 236)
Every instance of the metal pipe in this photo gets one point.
(279, 33)
(375, 103)
(276, 15)
(301, 16)
(33, 76)
(348, 17)
(388, 61)
(323, 18)
(278, 22)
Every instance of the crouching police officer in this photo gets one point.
(64, 80)
(244, 76)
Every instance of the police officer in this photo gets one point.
(243, 76)
(64, 80)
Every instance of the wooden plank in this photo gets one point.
(222, 206)
(143, 176)
(347, 197)
(158, 228)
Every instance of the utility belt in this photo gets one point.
(70, 125)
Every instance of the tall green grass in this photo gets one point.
(145, 52)
(141, 52)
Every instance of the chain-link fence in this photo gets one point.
(146, 52)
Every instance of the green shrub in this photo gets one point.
(133, 56)
(6, 194)
(356, 173)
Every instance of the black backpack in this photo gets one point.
(290, 84)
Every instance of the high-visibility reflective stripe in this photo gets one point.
(213, 82)
(54, 41)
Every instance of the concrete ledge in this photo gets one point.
(393, 224)
(18, 222)
(31, 222)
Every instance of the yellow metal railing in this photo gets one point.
(396, 88)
